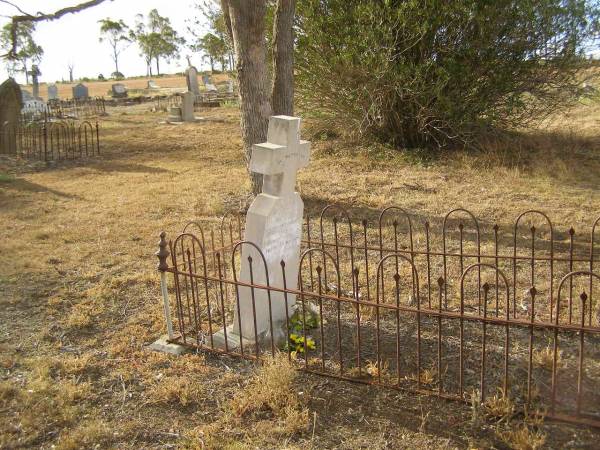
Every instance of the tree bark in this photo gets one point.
(283, 58)
(157, 66)
(247, 19)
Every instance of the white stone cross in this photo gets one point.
(274, 225)
(280, 158)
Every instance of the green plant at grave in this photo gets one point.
(299, 322)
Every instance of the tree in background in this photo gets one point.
(214, 49)
(27, 53)
(156, 39)
(117, 34)
(431, 73)
(216, 45)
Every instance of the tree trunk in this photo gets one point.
(157, 66)
(283, 58)
(116, 58)
(247, 19)
(26, 72)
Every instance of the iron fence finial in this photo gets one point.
(163, 253)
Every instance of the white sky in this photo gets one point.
(74, 38)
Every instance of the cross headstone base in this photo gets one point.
(162, 345)
(233, 340)
(174, 114)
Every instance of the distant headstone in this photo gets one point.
(152, 85)
(174, 114)
(119, 90)
(187, 107)
(274, 224)
(35, 73)
(80, 91)
(206, 79)
(192, 80)
(11, 103)
(211, 87)
(230, 86)
(52, 92)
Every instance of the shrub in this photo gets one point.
(428, 73)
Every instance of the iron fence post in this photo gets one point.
(162, 254)
(45, 142)
(97, 138)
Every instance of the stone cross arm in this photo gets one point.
(281, 157)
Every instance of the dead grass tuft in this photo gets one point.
(181, 390)
(271, 394)
(266, 412)
(523, 437)
(545, 358)
(375, 371)
(499, 406)
(94, 434)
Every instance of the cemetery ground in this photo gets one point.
(80, 292)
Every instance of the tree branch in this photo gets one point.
(14, 6)
(41, 17)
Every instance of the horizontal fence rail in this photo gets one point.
(451, 307)
(50, 141)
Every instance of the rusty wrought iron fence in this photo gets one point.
(453, 307)
(50, 141)
(77, 108)
(202, 100)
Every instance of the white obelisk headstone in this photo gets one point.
(273, 224)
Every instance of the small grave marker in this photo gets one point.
(119, 90)
(80, 91)
(52, 92)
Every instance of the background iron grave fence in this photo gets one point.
(50, 141)
(77, 108)
(452, 307)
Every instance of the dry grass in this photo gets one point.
(524, 438)
(264, 413)
(80, 293)
(544, 358)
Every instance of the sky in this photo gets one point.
(74, 38)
